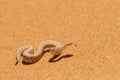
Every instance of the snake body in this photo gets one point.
(27, 52)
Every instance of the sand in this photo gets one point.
(94, 25)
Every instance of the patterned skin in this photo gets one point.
(27, 52)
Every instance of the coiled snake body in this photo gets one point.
(27, 52)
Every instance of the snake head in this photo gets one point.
(56, 50)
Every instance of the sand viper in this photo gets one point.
(27, 52)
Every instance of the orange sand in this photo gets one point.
(94, 25)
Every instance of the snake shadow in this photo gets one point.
(53, 59)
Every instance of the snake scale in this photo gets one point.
(28, 55)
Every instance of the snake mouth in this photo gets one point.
(16, 62)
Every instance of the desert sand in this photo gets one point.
(94, 25)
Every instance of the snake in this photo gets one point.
(28, 55)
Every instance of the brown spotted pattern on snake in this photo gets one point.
(27, 52)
